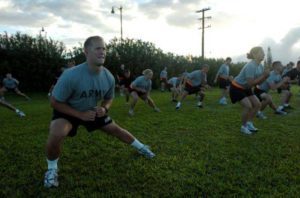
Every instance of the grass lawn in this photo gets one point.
(200, 152)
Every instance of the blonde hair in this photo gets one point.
(254, 51)
(147, 72)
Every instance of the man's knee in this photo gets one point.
(60, 128)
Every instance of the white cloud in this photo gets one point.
(172, 25)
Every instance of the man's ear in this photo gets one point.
(85, 51)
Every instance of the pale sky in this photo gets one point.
(172, 25)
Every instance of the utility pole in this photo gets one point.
(269, 57)
(203, 26)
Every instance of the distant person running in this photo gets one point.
(224, 80)
(163, 79)
(175, 87)
(273, 82)
(293, 75)
(11, 107)
(240, 89)
(195, 82)
(128, 78)
(71, 63)
(120, 77)
(140, 88)
(75, 102)
(11, 84)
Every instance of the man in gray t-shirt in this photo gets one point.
(11, 84)
(224, 79)
(163, 78)
(195, 82)
(75, 102)
(274, 81)
(174, 85)
(140, 88)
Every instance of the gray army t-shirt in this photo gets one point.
(82, 89)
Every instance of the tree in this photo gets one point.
(269, 57)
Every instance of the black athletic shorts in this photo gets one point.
(192, 89)
(89, 125)
(122, 82)
(224, 83)
(237, 94)
(139, 93)
(164, 80)
(258, 92)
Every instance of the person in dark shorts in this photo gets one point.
(286, 94)
(252, 74)
(273, 82)
(11, 84)
(140, 88)
(75, 101)
(195, 82)
(224, 80)
(57, 75)
(71, 63)
(128, 78)
(174, 85)
(287, 68)
(121, 77)
(163, 79)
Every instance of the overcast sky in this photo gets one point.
(171, 25)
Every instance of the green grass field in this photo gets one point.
(200, 152)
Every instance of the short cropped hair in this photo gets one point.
(228, 59)
(276, 64)
(147, 71)
(88, 42)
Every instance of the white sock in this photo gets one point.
(250, 123)
(178, 104)
(17, 111)
(286, 104)
(52, 164)
(137, 144)
(279, 108)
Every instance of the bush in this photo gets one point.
(35, 60)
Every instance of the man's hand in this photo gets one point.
(88, 115)
(100, 111)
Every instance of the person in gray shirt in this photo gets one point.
(163, 79)
(11, 84)
(141, 87)
(274, 81)
(195, 82)
(75, 101)
(224, 80)
(174, 84)
(240, 90)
